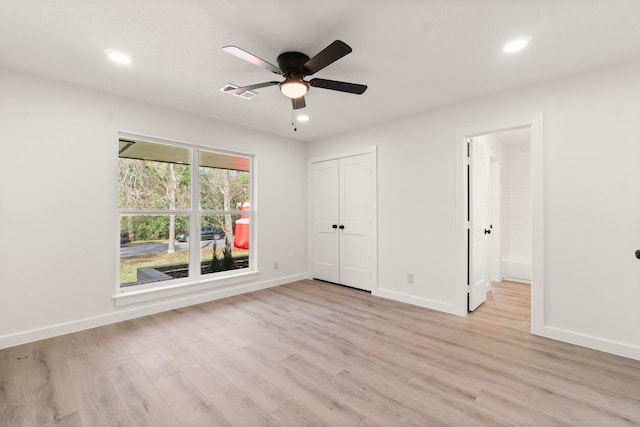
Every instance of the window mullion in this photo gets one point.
(253, 257)
(222, 212)
(154, 212)
(194, 218)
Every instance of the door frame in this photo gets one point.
(535, 124)
(373, 150)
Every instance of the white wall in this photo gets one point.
(58, 189)
(516, 200)
(591, 170)
(516, 211)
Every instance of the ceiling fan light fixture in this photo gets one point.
(294, 88)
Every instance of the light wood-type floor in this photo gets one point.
(314, 354)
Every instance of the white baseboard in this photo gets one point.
(134, 312)
(422, 302)
(558, 334)
(588, 341)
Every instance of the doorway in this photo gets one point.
(491, 223)
(499, 200)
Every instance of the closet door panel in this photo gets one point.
(356, 218)
(325, 245)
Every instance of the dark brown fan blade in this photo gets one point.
(243, 54)
(298, 103)
(327, 56)
(339, 86)
(252, 87)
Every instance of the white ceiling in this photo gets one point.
(413, 54)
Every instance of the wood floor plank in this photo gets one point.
(293, 413)
(52, 402)
(28, 373)
(70, 420)
(201, 372)
(98, 401)
(266, 312)
(268, 339)
(449, 405)
(306, 345)
(239, 409)
(249, 381)
(40, 382)
(317, 354)
(199, 412)
(158, 363)
(17, 413)
(187, 403)
(141, 400)
(380, 408)
(317, 400)
(513, 413)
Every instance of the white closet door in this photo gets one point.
(325, 246)
(356, 221)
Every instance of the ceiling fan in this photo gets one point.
(295, 66)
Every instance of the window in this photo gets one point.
(162, 200)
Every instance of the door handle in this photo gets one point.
(341, 227)
(487, 231)
(638, 254)
(334, 226)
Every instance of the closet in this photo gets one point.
(343, 220)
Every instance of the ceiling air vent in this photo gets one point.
(244, 95)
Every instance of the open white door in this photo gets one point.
(480, 229)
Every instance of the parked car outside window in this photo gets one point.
(125, 237)
(206, 233)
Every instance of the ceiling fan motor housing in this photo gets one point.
(292, 64)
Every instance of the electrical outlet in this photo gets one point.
(276, 265)
(410, 278)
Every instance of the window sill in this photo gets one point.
(126, 296)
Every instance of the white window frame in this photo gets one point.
(196, 281)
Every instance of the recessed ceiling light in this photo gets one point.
(303, 118)
(118, 57)
(516, 45)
